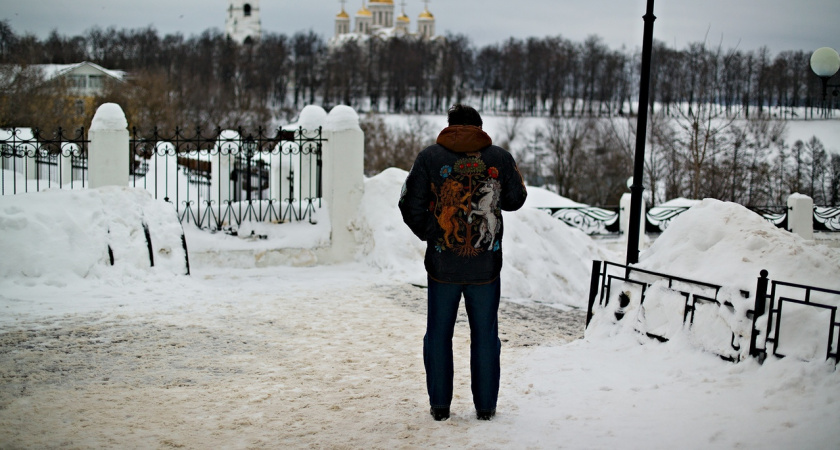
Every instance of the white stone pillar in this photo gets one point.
(801, 215)
(624, 219)
(109, 150)
(343, 177)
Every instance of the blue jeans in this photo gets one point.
(482, 304)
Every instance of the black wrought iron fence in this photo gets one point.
(826, 218)
(33, 161)
(700, 302)
(220, 179)
(801, 321)
(604, 220)
(592, 220)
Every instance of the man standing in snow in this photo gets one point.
(453, 199)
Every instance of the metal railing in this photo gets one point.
(695, 295)
(221, 179)
(604, 220)
(826, 218)
(788, 306)
(792, 320)
(33, 161)
(592, 220)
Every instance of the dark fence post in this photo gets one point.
(594, 282)
(758, 311)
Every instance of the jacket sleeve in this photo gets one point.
(513, 186)
(415, 199)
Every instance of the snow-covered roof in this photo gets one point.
(51, 71)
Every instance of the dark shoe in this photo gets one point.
(439, 413)
(485, 415)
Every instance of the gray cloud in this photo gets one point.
(748, 24)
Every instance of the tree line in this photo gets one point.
(208, 79)
(715, 128)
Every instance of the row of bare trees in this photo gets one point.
(209, 80)
(747, 161)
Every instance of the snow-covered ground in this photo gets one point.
(329, 356)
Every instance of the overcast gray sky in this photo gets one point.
(746, 24)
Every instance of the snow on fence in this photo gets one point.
(792, 320)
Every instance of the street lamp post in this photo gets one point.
(825, 62)
(637, 189)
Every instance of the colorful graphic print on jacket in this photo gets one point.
(467, 207)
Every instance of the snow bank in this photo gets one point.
(726, 244)
(385, 242)
(543, 198)
(546, 261)
(57, 235)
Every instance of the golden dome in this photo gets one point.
(387, 2)
(426, 15)
(342, 15)
(403, 18)
(364, 12)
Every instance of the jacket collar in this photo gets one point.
(464, 138)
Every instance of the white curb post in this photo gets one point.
(343, 177)
(109, 149)
(801, 216)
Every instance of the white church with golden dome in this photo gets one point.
(376, 18)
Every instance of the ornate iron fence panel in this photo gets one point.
(592, 220)
(775, 214)
(826, 218)
(33, 161)
(218, 180)
(658, 218)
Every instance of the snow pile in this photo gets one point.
(385, 242)
(543, 198)
(58, 235)
(726, 244)
(545, 260)
(723, 244)
(109, 116)
(312, 233)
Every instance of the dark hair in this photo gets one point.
(464, 115)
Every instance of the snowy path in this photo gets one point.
(255, 358)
